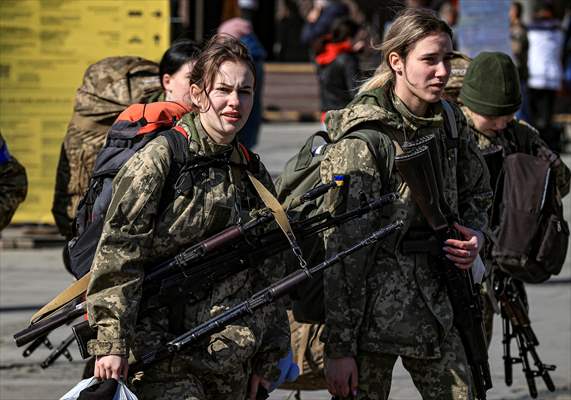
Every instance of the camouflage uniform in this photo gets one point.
(137, 234)
(13, 184)
(518, 137)
(382, 303)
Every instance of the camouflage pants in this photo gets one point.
(440, 379)
(172, 380)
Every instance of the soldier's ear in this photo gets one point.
(198, 98)
(166, 81)
(396, 62)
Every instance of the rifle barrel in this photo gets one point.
(274, 291)
(48, 324)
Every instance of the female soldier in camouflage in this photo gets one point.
(138, 233)
(392, 301)
(489, 98)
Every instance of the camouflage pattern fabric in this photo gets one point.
(13, 184)
(383, 301)
(134, 236)
(445, 379)
(108, 87)
(458, 66)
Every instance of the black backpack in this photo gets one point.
(531, 234)
(133, 129)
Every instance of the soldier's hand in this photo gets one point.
(341, 376)
(548, 155)
(255, 382)
(111, 367)
(463, 252)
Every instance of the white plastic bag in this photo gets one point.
(73, 394)
(122, 393)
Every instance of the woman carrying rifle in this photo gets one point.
(392, 302)
(140, 231)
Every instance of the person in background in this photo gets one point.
(242, 30)
(338, 67)
(489, 101)
(319, 21)
(458, 66)
(545, 71)
(390, 302)
(175, 69)
(449, 14)
(520, 48)
(140, 231)
(13, 184)
(109, 86)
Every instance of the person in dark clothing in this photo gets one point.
(338, 66)
(320, 21)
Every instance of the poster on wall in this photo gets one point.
(45, 47)
(484, 26)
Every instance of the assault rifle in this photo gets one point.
(423, 175)
(207, 262)
(260, 299)
(516, 325)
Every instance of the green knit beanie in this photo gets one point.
(491, 85)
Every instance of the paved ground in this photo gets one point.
(31, 277)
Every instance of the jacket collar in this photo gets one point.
(382, 106)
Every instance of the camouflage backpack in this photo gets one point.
(108, 87)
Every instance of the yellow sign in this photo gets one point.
(45, 47)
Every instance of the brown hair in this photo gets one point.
(410, 26)
(219, 49)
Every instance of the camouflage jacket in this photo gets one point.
(382, 300)
(137, 233)
(13, 184)
(520, 137)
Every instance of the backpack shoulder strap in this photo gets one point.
(375, 141)
(177, 139)
(450, 126)
(179, 176)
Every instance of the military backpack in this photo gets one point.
(531, 235)
(133, 129)
(109, 86)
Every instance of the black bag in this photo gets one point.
(531, 235)
(133, 129)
